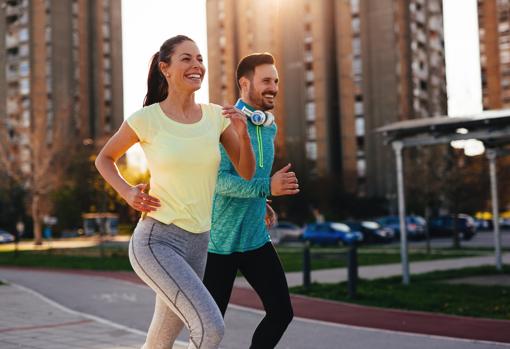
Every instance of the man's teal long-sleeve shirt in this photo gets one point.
(239, 206)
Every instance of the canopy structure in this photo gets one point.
(490, 127)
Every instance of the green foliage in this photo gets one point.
(49, 260)
(84, 190)
(12, 205)
(426, 292)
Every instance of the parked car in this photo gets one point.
(372, 231)
(285, 231)
(444, 226)
(416, 226)
(6, 237)
(328, 233)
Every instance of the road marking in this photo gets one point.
(28, 328)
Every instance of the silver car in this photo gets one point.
(285, 231)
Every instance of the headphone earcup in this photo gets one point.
(258, 118)
(269, 119)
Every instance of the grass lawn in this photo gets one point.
(426, 292)
(292, 258)
(116, 257)
(50, 259)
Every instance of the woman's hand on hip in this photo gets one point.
(140, 201)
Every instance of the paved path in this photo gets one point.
(130, 304)
(30, 321)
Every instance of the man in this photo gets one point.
(239, 237)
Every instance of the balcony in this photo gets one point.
(11, 41)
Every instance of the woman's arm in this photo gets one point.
(236, 141)
(117, 146)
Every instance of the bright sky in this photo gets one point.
(462, 57)
(147, 24)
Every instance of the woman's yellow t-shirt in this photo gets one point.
(183, 161)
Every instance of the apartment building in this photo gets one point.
(62, 75)
(347, 67)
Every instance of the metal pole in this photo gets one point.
(352, 271)
(492, 155)
(397, 147)
(306, 265)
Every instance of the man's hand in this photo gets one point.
(284, 182)
(271, 216)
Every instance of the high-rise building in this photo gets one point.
(236, 28)
(62, 75)
(494, 33)
(403, 73)
(347, 67)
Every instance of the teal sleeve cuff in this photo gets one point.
(235, 186)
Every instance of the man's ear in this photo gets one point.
(244, 83)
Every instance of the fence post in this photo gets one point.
(352, 271)
(306, 265)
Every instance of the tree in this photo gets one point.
(86, 191)
(50, 146)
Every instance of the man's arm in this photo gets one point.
(230, 184)
(283, 182)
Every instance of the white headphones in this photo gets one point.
(257, 117)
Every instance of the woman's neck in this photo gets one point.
(181, 106)
(180, 103)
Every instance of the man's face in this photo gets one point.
(263, 87)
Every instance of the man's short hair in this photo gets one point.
(247, 65)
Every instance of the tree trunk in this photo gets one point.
(36, 217)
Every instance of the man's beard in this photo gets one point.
(258, 99)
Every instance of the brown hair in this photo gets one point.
(247, 65)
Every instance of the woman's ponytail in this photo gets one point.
(157, 87)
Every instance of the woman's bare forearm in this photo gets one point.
(110, 172)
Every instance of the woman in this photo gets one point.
(180, 139)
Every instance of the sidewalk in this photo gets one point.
(372, 317)
(31, 321)
(381, 271)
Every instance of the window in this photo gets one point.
(24, 86)
(310, 92)
(358, 108)
(360, 127)
(106, 31)
(312, 132)
(23, 34)
(309, 76)
(356, 24)
(24, 68)
(356, 66)
(311, 150)
(356, 46)
(355, 6)
(310, 111)
(361, 167)
(23, 50)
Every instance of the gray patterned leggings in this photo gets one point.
(172, 262)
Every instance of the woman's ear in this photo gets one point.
(163, 68)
